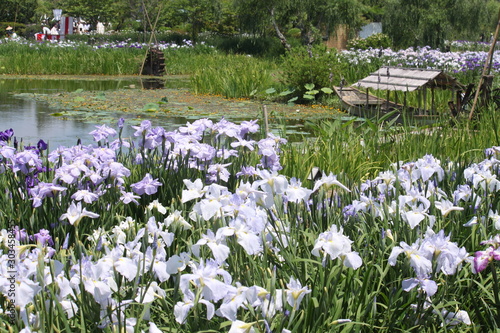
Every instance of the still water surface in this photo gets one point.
(31, 120)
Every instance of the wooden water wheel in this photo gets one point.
(154, 63)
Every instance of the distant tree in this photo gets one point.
(431, 22)
(469, 19)
(21, 11)
(128, 13)
(196, 15)
(373, 10)
(90, 10)
(314, 18)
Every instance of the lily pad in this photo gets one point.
(100, 96)
(151, 107)
(143, 104)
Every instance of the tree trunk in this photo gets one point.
(282, 37)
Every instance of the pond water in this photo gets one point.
(32, 120)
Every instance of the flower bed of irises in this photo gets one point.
(197, 230)
(113, 45)
(466, 64)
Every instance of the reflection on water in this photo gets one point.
(32, 120)
(153, 83)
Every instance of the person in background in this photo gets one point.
(100, 28)
(46, 30)
(9, 31)
(54, 30)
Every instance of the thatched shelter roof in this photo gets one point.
(408, 79)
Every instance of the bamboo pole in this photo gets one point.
(153, 28)
(266, 121)
(486, 68)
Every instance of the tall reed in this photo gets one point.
(233, 76)
(362, 148)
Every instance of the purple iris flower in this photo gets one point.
(43, 237)
(120, 123)
(102, 132)
(246, 171)
(31, 181)
(6, 135)
(147, 185)
(142, 128)
(41, 145)
(20, 234)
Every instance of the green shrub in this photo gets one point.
(256, 46)
(301, 68)
(31, 30)
(374, 41)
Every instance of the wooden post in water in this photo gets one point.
(433, 105)
(266, 122)
(387, 97)
(425, 101)
(367, 99)
(419, 94)
(486, 69)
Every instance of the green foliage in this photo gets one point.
(305, 19)
(188, 60)
(374, 41)
(91, 10)
(81, 60)
(431, 22)
(195, 15)
(373, 10)
(232, 76)
(268, 47)
(320, 67)
(19, 11)
(30, 31)
(472, 18)
(362, 148)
